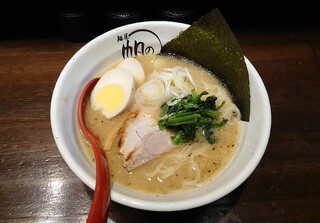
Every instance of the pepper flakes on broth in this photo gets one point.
(183, 166)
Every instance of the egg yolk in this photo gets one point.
(111, 97)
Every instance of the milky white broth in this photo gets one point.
(209, 159)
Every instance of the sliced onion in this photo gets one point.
(176, 82)
(150, 95)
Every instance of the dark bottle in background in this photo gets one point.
(115, 18)
(178, 15)
(85, 24)
(76, 24)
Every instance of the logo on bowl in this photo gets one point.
(140, 41)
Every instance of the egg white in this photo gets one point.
(135, 67)
(113, 93)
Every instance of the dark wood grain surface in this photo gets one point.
(36, 185)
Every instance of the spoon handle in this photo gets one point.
(101, 198)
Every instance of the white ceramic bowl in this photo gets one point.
(105, 49)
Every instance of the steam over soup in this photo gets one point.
(147, 148)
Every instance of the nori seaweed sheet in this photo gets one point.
(210, 43)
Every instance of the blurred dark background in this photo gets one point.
(82, 22)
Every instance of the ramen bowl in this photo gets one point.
(129, 40)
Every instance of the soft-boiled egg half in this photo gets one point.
(135, 67)
(113, 93)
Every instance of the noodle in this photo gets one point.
(169, 165)
(186, 166)
(165, 170)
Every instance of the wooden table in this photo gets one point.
(36, 185)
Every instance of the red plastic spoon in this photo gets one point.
(101, 197)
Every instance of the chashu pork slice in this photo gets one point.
(141, 140)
